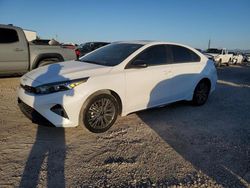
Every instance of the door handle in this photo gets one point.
(18, 49)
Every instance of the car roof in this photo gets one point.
(136, 42)
(8, 26)
(148, 42)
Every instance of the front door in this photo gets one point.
(13, 52)
(148, 86)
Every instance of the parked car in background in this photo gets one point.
(237, 57)
(117, 79)
(209, 56)
(247, 57)
(17, 55)
(200, 50)
(221, 56)
(87, 47)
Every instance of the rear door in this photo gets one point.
(14, 56)
(186, 68)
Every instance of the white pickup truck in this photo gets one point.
(221, 56)
(17, 55)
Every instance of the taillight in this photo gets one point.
(77, 53)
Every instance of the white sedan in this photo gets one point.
(117, 79)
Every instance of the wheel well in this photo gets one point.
(42, 57)
(207, 81)
(118, 100)
(111, 92)
(49, 58)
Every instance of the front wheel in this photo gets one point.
(100, 113)
(201, 93)
(219, 63)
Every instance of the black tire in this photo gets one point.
(95, 117)
(219, 63)
(229, 61)
(201, 93)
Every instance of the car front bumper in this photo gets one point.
(60, 109)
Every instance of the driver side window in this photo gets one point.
(155, 55)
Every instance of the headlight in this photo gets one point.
(216, 58)
(59, 86)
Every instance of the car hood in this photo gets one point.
(64, 71)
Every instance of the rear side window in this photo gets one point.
(8, 35)
(183, 55)
(155, 55)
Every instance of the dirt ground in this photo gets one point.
(175, 146)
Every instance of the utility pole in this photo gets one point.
(209, 43)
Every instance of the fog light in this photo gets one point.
(59, 110)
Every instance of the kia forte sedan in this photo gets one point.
(118, 79)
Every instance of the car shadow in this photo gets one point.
(47, 156)
(214, 138)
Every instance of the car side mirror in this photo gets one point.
(138, 64)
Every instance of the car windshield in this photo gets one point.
(214, 51)
(111, 55)
(86, 47)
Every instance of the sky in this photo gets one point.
(191, 22)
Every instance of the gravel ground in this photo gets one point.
(175, 146)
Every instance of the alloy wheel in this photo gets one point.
(101, 113)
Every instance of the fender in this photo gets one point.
(45, 56)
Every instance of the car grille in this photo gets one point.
(32, 114)
(28, 89)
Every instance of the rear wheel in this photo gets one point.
(201, 93)
(100, 113)
(48, 62)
